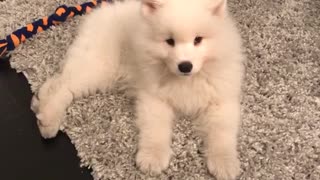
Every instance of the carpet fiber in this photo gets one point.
(280, 132)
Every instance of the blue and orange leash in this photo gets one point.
(62, 13)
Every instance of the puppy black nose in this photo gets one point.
(185, 67)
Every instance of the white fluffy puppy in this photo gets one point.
(177, 56)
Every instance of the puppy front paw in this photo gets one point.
(153, 160)
(48, 126)
(48, 120)
(224, 167)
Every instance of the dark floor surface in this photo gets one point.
(24, 155)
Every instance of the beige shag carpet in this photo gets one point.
(280, 132)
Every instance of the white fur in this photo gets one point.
(127, 41)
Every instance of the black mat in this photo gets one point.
(24, 154)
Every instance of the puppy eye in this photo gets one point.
(197, 40)
(170, 42)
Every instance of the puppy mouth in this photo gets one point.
(185, 74)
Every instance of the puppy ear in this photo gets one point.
(219, 8)
(150, 6)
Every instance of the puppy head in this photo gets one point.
(185, 30)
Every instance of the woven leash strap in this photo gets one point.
(62, 13)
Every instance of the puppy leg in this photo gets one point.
(87, 69)
(154, 120)
(220, 127)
